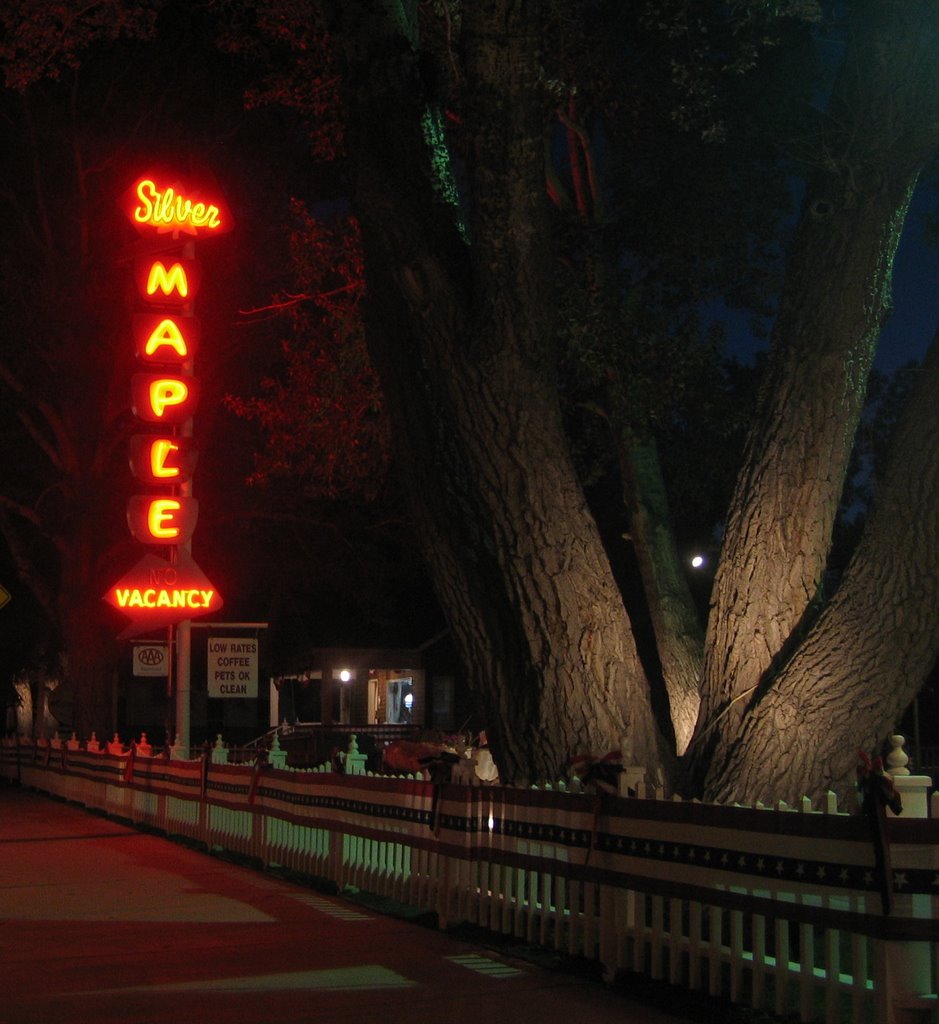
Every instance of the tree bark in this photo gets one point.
(461, 339)
(883, 125)
(866, 658)
(678, 633)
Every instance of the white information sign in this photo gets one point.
(232, 666)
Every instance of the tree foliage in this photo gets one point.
(321, 418)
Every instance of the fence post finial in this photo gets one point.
(353, 760)
(277, 756)
(897, 759)
(219, 750)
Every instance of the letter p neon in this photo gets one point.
(167, 392)
(163, 398)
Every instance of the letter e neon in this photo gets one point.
(161, 516)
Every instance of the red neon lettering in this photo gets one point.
(167, 576)
(168, 281)
(165, 392)
(150, 597)
(167, 209)
(160, 451)
(167, 332)
(161, 518)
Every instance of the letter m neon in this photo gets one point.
(167, 281)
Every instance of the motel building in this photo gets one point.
(378, 694)
(242, 691)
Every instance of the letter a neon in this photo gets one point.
(167, 391)
(167, 332)
(167, 281)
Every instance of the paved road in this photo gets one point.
(102, 924)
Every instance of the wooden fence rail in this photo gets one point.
(780, 908)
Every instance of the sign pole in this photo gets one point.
(183, 690)
(169, 687)
(183, 630)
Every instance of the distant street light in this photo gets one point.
(697, 561)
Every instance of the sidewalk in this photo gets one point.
(101, 923)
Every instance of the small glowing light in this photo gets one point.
(697, 561)
(492, 822)
(409, 701)
(345, 675)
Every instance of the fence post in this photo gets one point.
(277, 756)
(219, 751)
(353, 760)
(907, 969)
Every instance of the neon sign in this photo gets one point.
(160, 451)
(126, 597)
(169, 282)
(165, 338)
(167, 209)
(162, 520)
(157, 459)
(160, 398)
(158, 591)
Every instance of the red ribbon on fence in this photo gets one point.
(440, 768)
(878, 793)
(601, 775)
(255, 776)
(129, 765)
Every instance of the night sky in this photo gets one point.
(915, 318)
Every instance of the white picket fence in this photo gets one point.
(779, 908)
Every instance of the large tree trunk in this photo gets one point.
(867, 656)
(883, 126)
(461, 338)
(679, 636)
